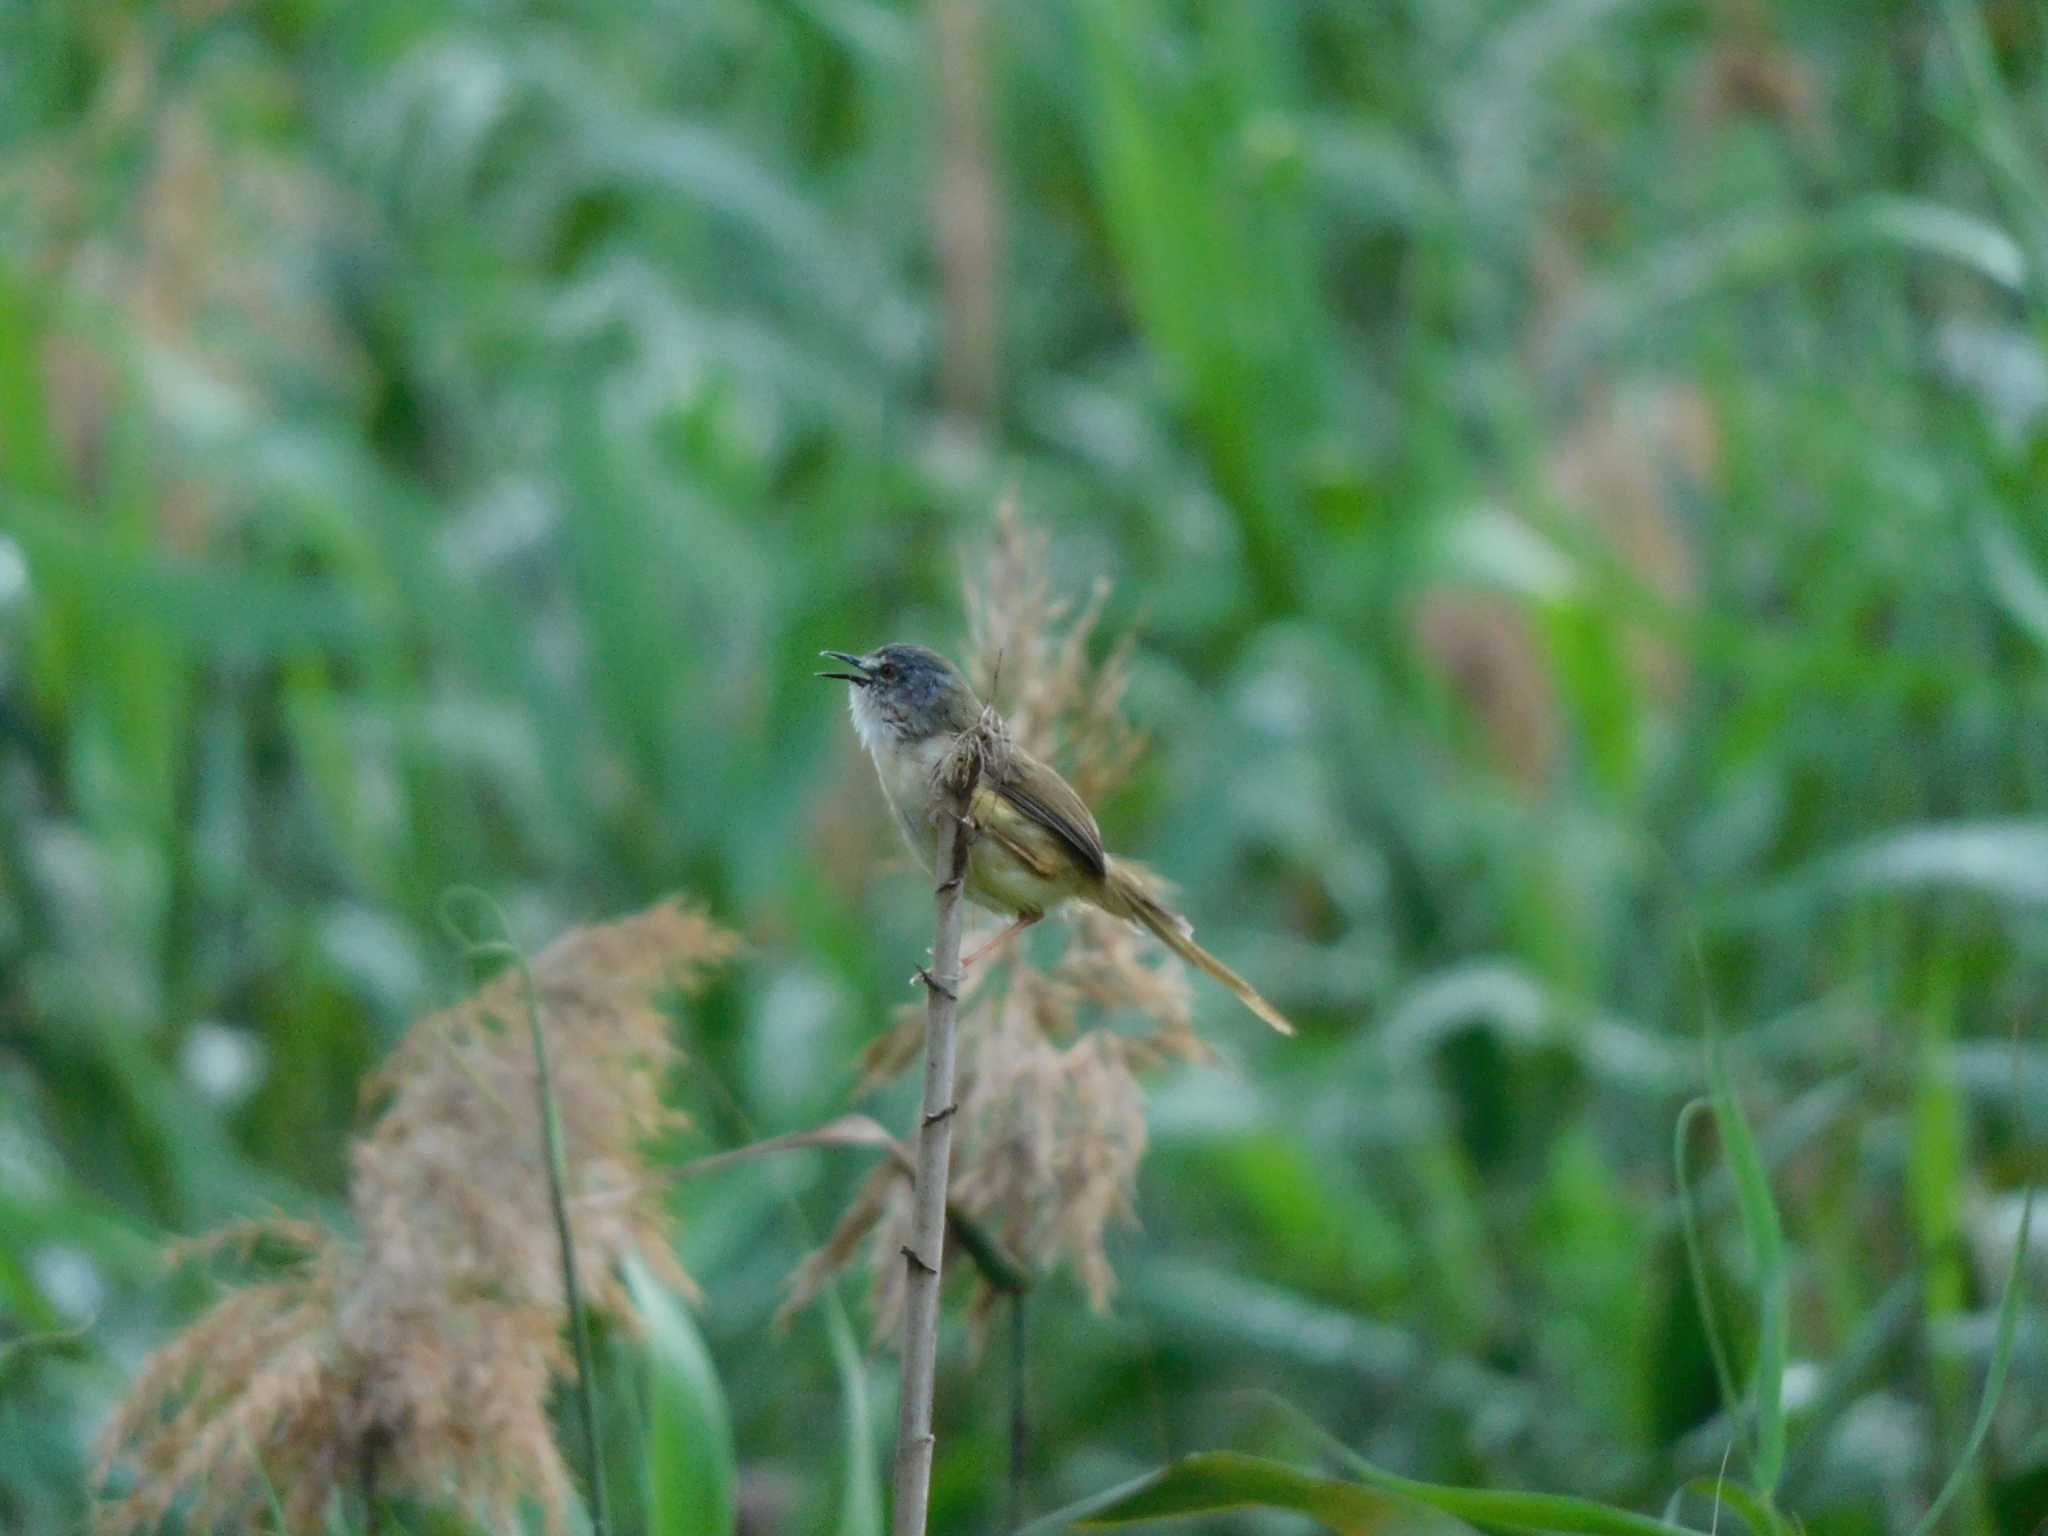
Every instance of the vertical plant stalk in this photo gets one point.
(966, 209)
(557, 1161)
(923, 1255)
(1020, 1407)
(572, 1294)
(373, 1506)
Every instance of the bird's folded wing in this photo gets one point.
(1047, 799)
(1042, 852)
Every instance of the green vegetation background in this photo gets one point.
(1578, 471)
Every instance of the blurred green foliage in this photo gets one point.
(1578, 470)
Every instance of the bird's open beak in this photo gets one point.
(858, 676)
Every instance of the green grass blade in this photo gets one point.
(1754, 1512)
(1771, 247)
(1767, 1247)
(1059, 1521)
(1514, 1509)
(1220, 1480)
(1695, 1256)
(860, 1489)
(2019, 586)
(1507, 1509)
(2000, 135)
(271, 1501)
(29, 460)
(689, 1467)
(1994, 1379)
(860, 1502)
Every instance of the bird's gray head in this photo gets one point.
(906, 693)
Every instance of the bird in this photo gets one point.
(1035, 844)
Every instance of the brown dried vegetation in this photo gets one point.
(1749, 72)
(1617, 476)
(179, 301)
(1051, 1125)
(419, 1356)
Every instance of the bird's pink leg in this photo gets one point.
(996, 943)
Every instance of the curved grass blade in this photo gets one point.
(1760, 1224)
(1998, 133)
(2004, 859)
(1081, 1511)
(1754, 1512)
(1516, 1510)
(1562, 1514)
(689, 1466)
(1220, 1480)
(1994, 1379)
(860, 1501)
(1767, 248)
(1695, 1256)
(1767, 1246)
(846, 1131)
(2021, 589)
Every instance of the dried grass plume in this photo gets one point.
(419, 1355)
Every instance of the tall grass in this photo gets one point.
(432, 443)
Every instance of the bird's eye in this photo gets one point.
(886, 670)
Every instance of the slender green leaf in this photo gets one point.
(1994, 1378)
(2015, 580)
(1767, 1249)
(688, 1462)
(860, 1502)
(2005, 860)
(2000, 135)
(1081, 1511)
(1695, 1255)
(29, 460)
(1753, 1511)
(1514, 1510)
(1220, 1480)
(1771, 247)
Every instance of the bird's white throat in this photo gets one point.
(904, 767)
(868, 724)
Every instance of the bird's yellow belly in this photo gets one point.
(1002, 882)
(997, 878)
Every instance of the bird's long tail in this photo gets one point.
(1127, 893)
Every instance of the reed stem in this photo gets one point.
(925, 1252)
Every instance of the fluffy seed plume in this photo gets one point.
(1051, 1126)
(418, 1355)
